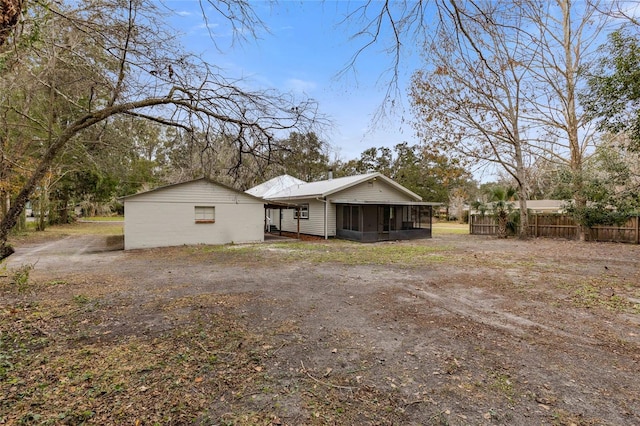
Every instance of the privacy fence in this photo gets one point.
(562, 226)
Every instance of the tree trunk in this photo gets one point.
(63, 210)
(524, 218)
(43, 207)
(522, 179)
(502, 224)
(571, 61)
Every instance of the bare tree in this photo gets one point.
(556, 41)
(120, 58)
(470, 99)
(564, 37)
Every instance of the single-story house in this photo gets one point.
(534, 206)
(367, 207)
(200, 211)
(545, 206)
(274, 209)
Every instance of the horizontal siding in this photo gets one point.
(312, 226)
(371, 191)
(161, 223)
(332, 220)
(199, 191)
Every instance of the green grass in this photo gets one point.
(363, 254)
(106, 228)
(103, 219)
(444, 228)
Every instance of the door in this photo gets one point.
(385, 215)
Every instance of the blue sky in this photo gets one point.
(304, 51)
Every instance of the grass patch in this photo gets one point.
(363, 254)
(48, 376)
(103, 219)
(106, 228)
(600, 292)
(448, 228)
(86, 228)
(15, 278)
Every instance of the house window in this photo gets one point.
(351, 218)
(304, 212)
(205, 214)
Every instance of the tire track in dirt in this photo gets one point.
(484, 311)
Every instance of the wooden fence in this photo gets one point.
(562, 226)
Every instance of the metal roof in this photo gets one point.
(325, 188)
(273, 186)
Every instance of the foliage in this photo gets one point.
(613, 94)
(304, 156)
(16, 278)
(429, 175)
(611, 185)
(501, 207)
(78, 94)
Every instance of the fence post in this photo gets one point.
(535, 230)
(637, 229)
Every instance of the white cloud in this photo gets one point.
(183, 13)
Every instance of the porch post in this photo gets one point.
(326, 218)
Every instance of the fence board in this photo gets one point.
(563, 226)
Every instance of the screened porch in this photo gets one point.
(375, 221)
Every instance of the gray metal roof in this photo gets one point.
(273, 186)
(325, 188)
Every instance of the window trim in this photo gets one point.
(302, 208)
(202, 216)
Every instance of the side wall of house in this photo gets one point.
(314, 225)
(167, 217)
(371, 191)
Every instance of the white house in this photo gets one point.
(195, 212)
(368, 207)
(269, 188)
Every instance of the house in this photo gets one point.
(368, 207)
(545, 206)
(269, 188)
(200, 211)
(533, 206)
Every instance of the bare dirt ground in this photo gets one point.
(455, 330)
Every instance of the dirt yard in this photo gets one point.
(455, 330)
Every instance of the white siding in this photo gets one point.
(372, 191)
(315, 224)
(197, 191)
(166, 217)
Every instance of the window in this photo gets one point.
(351, 218)
(205, 214)
(304, 212)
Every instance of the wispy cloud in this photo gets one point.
(209, 25)
(300, 86)
(183, 13)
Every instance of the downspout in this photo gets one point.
(326, 215)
